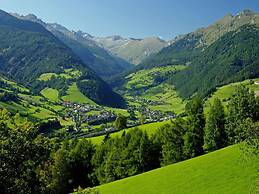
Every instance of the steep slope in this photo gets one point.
(222, 171)
(184, 45)
(132, 50)
(28, 50)
(234, 57)
(182, 51)
(227, 24)
(101, 61)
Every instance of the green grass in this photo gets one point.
(74, 95)
(164, 94)
(14, 84)
(13, 107)
(168, 96)
(73, 72)
(30, 98)
(145, 78)
(23, 107)
(150, 128)
(225, 92)
(68, 74)
(118, 111)
(46, 76)
(222, 171)
(42, 113)
(51, 94)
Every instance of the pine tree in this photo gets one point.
(193, 138)
(241, 106)
(80, 166)
(121, 122)
(170, 139)
(215, 135)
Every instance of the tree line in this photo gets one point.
(32, 163)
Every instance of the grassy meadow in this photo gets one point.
(74, 95)
(222, 171)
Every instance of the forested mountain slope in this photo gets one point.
(234, 57)
(28, 50)
(186, 46)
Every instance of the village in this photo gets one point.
(92, 120)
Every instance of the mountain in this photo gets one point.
(233, 57)
(130, 49)
(29, 52)
(100, 60)
(185, 47)
(227, 24)
(108, 56)
(224, 52)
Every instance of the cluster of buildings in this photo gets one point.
(83, 108)
(156, 115)
(81, 114)
(100, 118)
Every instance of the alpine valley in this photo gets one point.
(78, 112)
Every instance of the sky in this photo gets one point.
(130, 18)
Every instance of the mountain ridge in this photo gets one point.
(131, 49)
(104, 63)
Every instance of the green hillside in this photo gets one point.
(150, 88)
(222, 171)
(234, 57)
(224, 93)
(50, 93)
(231, 58)
(29, 46)
(19, 99)
(74, 95)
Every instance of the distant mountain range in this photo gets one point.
(105, 55)
(104, 63)
(130, 49)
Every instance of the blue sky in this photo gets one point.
(130, 18)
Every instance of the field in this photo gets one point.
(46, 76)
(68, 74)
(150, 128)
(14, 84)
(74, 95)
(51, 94)
(30, 106)
(167, 96)
(222, 171)
(146, 78)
